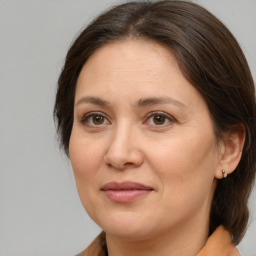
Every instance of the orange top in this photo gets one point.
(218, 244)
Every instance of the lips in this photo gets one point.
(126, 191)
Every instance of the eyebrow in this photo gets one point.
(92, 100)
(141, 102)
(160, 100)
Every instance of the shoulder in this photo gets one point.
(97, 247)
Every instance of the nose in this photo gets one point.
(123, 151)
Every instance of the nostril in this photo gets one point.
(120, 158)
(120, 166)
(109, 165)
(128, 164)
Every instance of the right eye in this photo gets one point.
(94, 119)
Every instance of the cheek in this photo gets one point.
(86, 159)
(183, 164)
(185, 172)
(181, 153)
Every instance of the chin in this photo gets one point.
(129, 225)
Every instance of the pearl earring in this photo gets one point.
(224, 174)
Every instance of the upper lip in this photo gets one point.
(126, 185)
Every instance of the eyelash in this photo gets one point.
(167, 118)
(86, 117)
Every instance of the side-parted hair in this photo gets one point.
(209, 57)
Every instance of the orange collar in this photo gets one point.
(219, 244)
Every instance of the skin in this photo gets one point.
(117, 136)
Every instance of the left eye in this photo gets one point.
(159, 119)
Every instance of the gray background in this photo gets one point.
(40, 212)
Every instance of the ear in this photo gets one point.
(231, 151)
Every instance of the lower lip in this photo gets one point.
(125, 196)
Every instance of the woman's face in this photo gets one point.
(142, 146)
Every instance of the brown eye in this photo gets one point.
(159, 119)
(94, 120)
(98, 119)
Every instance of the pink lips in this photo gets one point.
(125, 192)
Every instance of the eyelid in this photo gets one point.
(161, 113)
(91, 114)
(86, 116)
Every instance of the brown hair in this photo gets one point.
(208, 56)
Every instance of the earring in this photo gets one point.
(224, 174)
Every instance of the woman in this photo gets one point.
(156, 110)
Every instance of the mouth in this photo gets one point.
(125, 192)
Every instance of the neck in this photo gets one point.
(186, 240)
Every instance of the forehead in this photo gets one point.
(134, 69)
(129, 61)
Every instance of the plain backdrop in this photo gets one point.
(40, 211)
